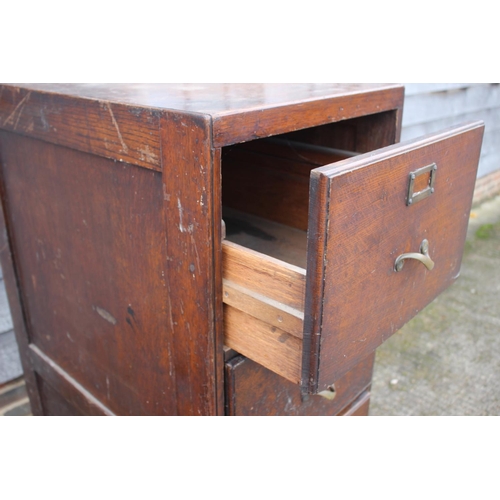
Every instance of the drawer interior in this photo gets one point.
(265, 210)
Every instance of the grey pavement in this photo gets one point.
(446, 361)
(10, 364)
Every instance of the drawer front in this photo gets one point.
(364, 213)
(252, 390)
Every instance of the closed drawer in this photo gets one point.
(252, 390)
(325, 261)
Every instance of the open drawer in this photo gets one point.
(329, 253)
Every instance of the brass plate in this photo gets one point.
(420, 195)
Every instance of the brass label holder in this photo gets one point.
(413, 197)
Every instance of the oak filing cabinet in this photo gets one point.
(129, 295)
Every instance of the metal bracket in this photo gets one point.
(412, 197)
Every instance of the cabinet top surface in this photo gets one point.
(216, 99)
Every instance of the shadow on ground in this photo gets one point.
(446, 361)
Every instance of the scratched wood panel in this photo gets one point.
(253, 390)
(14, 296)
(367, 225)
(89, 244)
(247, 125)
(112, 130)
(54, 404)
(193, 239)
(70, 397)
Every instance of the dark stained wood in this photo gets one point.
(358, 408)
(360, 135)
(266, 192)
(301, 154)
(78, 399)
(272, 180)
(361, 224)
(112, 198)
(245, 125)
(88, 234)
(112, 130)
(316, 238)
(15, 303)
(240, 112)
(54, 404)
(373, 217)
(254, 390)
(219, 233)
(193, 247)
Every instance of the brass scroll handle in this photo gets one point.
(423, 257)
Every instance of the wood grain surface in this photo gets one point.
(240, 112)
(193, 242)
(246, 125)
(360, 206)
(88, 237)
(252, 390)
(125, 133)
(14, 294)
(270, 179)
(273, 278)
(114, 263)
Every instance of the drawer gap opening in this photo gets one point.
(265, 195)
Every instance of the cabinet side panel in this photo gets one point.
(89, 240)
(16, 310)
(112, 130)
(54, 404)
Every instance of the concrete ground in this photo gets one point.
(446, 361)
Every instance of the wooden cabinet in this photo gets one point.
(126, 297)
